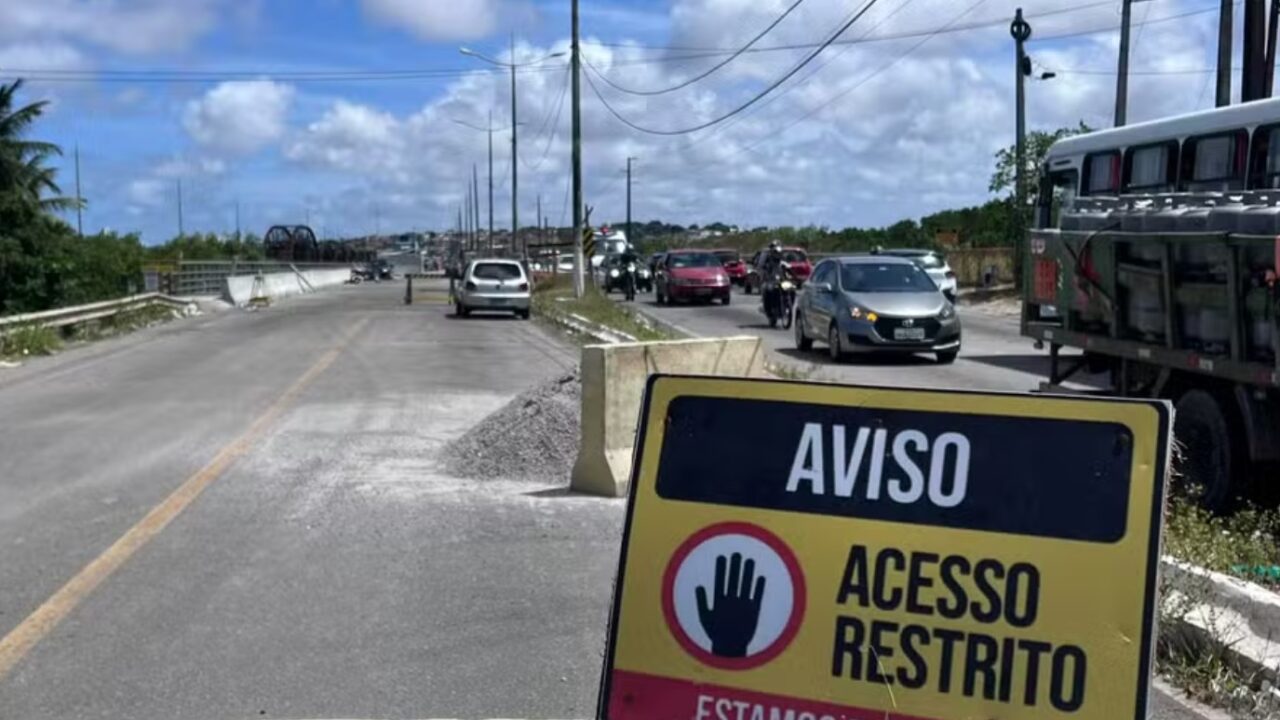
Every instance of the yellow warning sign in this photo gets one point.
(800, 552)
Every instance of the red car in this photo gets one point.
(691, 275)
(795, 258)
(733, 265)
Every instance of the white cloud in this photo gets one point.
(438, 19)
(239, 117)
(129, 26)
(352, 137)
(146, 192)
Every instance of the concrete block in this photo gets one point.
(613, 383)
(239, 288)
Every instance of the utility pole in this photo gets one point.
(490, 177)
(79, 197)
(181, 231)
(471, 238)
(540, 237)
(237, 220)
(515, 158)
(1021, 32)
(475, 193)
(1270, 63)
(629, 241)
(1223, 97)
(1122, 74)
(575, 71)
(1253, 77)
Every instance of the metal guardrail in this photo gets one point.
(63, 317)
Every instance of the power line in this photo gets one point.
(184, 76)
(862, 81)
(772, 86)
(553, 129)
(734, 56)
(830, 59)
(976, 25)
(154, 75)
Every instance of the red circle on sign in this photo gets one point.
(797, 592)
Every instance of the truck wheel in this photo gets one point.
(1210, 458)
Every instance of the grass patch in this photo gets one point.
(787, 371)
(27, 340)
(555, 297)
(1242, 544)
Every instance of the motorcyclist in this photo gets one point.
(771, 273)
(629, 259)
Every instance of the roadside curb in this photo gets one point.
(665, 325)
(1240, 617)
(579, 324)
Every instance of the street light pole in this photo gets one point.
(1122, 74)
(629, 240)
(490, 179)
(515, 158)
(579, 279)
(1021, 32)
(475, 193)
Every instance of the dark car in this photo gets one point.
(733, 265)
(382, 268)
(691, 275)
(797, 261)
(876, 304)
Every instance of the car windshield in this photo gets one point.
(884, 277)
(728, 256)
(693, 260)
(794, 256)
(928, 261)
(496, 271)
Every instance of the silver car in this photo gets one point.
(494, 285)
(933, 263)
(875, 303)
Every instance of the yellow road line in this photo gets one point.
(37, 625)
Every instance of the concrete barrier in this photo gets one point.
(239, 288)
(613, 383)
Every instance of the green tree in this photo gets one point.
(1038, 143)
(24, 173)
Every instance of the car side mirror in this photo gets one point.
(824, 288)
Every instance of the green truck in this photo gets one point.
(1153, 261)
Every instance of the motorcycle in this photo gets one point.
(777, 303)
(629, 282)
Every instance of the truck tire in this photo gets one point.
(1211, 458)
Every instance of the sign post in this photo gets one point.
(801, 552)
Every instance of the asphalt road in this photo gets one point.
(239, 515)
(327, 570)
(992, 357)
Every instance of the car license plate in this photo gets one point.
(499, 302)
(908, 333)
(702, 291)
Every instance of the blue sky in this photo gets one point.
(866, 135)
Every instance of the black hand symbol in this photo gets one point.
(730, 620)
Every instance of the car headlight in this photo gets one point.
(858, 313)
(644, 273)
(613, 273)
(722, 279)
(948, 312)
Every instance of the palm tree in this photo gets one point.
(23, 173)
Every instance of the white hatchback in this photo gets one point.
(495, 285)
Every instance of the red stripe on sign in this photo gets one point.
(639, 696)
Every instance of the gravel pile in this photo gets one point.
(533, 437)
